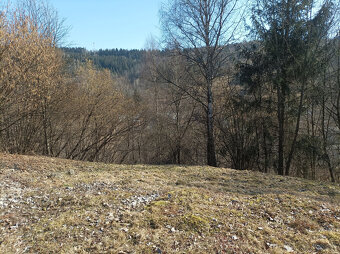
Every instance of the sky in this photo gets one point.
(107, 24)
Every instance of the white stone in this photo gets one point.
(234, 237)
(288, 248)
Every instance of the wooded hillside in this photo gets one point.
(268, 102)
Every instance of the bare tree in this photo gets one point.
(174, 110)
(46, 18)
(199, 31)
(29, 69)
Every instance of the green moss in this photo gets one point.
(159, 203)
(193, 222)
(236, 213)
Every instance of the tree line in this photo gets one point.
(263, 96)
(120, 62)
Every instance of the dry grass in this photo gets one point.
(51, 205)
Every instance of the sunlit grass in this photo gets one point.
(53, 205)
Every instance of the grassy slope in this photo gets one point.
(50, 205)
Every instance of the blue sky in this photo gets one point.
(109, 24)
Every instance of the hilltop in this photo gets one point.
(121, 62)
(53, 205)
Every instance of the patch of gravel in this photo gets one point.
(93, 187)
(11, 193)
(138, 201)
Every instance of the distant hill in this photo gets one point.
(122, 62)
(50, 205)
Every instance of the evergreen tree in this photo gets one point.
(292, 37)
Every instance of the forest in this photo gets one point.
(246, 86)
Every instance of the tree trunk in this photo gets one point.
(297, 128)
(178, 154)
(265, 150)
(211, 153)
(281, 119)
(324, 129)
(46, 149)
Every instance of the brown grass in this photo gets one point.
(51, 205)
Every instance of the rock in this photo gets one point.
(110, 216)
(319, 247)
(288, 248)
(124, 230)
(271, 245)
(51, 175)
(105, 204)
(70, 172)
